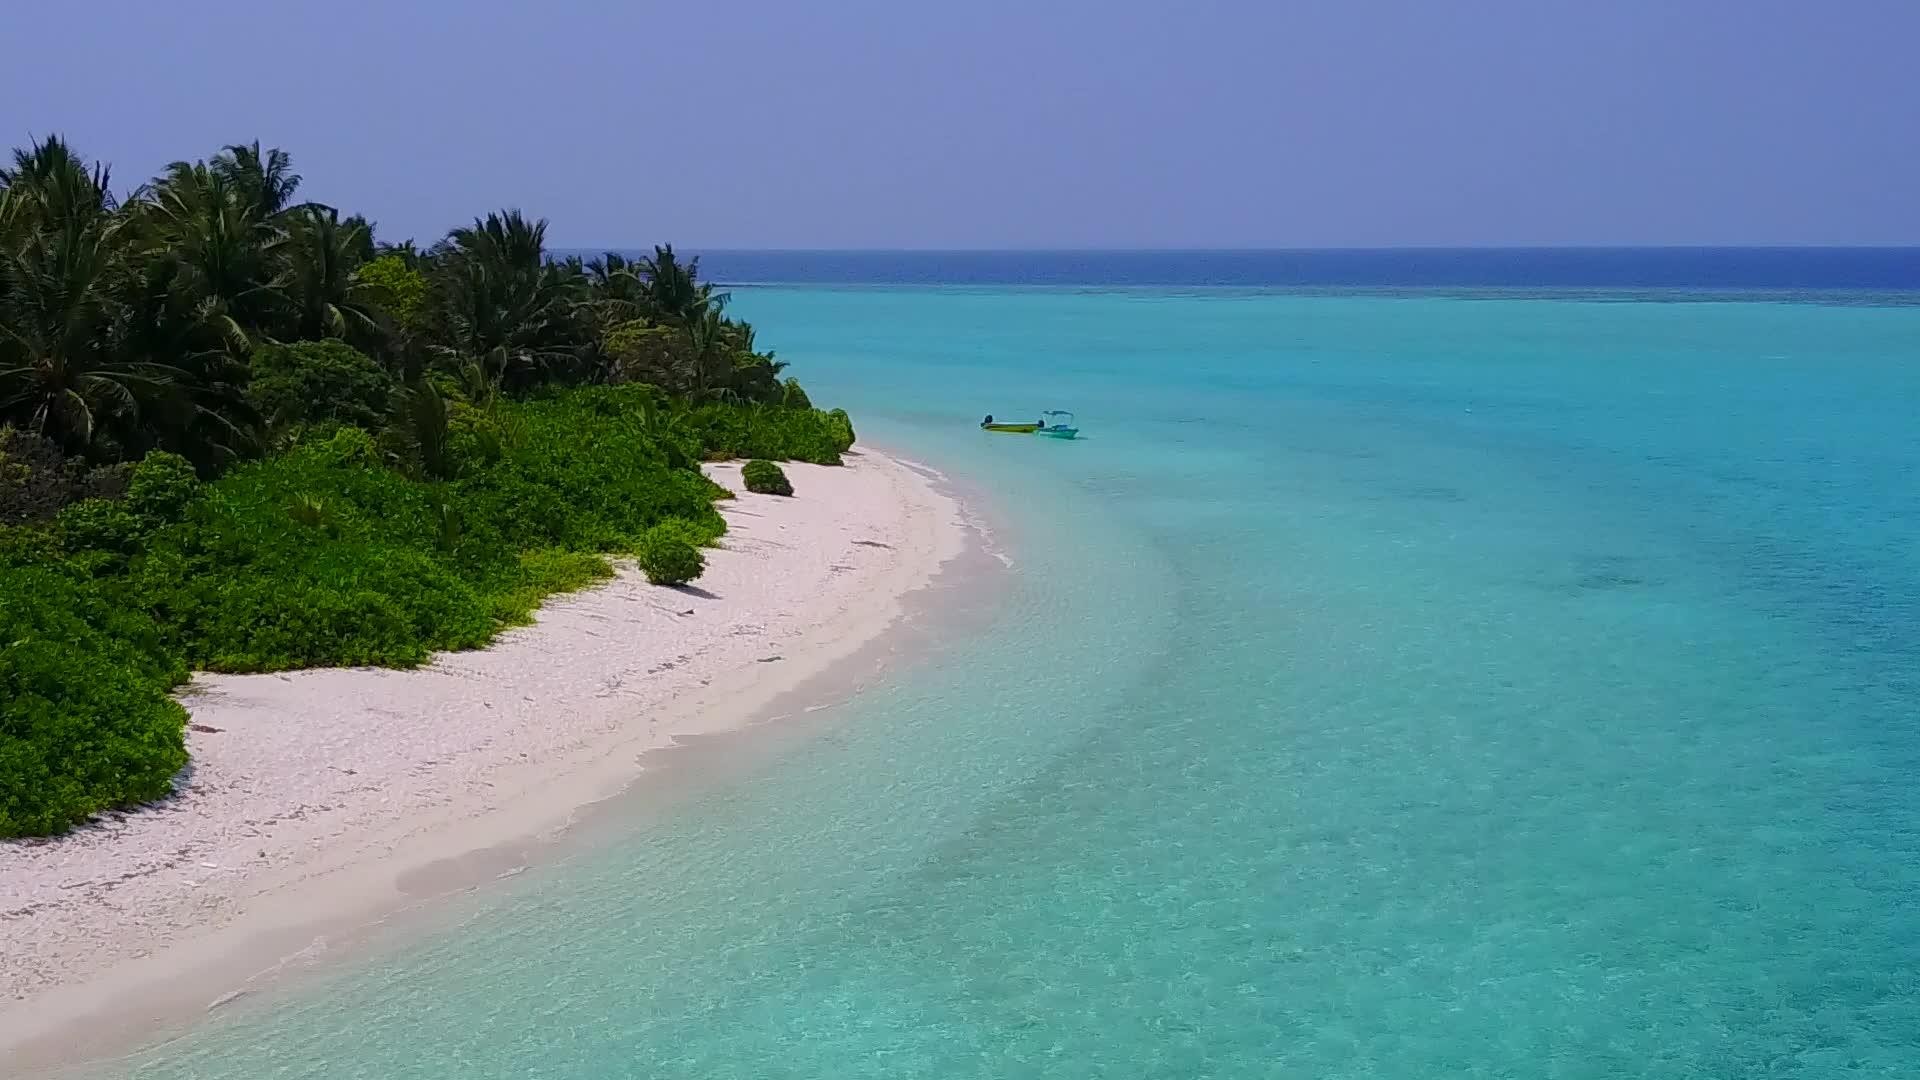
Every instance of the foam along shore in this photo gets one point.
(313, 794)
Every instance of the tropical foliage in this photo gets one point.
(667, 557)
(765, 478)
(241, 432)
(133, 324)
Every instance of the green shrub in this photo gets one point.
(317, 598)
(311, 511)
(699, 534)
(656, 355)
(399, 288)
(587, 474)
(668, 559)
(792, 396)
(160, 487)
(24, 546)
(759, 431)
(765, 478)
(98, 525)
(392, 568)
(841, 427)
(319, 382)
(86, 722)
(351, 447)
(545, 573)
(322, 555)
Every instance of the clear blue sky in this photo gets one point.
(771, 123)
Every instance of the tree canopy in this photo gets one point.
(240, 431)
(131, 324)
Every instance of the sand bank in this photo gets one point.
(316, 798)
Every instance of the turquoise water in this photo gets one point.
(1386, 687)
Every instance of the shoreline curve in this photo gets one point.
(321, 802)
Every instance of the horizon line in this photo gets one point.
(1381, 248)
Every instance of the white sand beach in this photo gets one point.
(318, 797)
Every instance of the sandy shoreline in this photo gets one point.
(319, 800)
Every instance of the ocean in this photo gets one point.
(1511, 678)
(1688, 270)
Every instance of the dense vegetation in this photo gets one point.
(238, 432)
(766, 478)
(668, 557)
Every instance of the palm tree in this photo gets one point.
(505, 239)
(60, 266)
(499, 302)
(226, 254)
(262, 182)
(519, 325)
(673, 293)
(52, 183)
(710, 354)
(130, 326)
(360, 235)
(616, 291)
(321, 254)
(203, 413)
(422, 424)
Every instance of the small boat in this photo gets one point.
(1010, 429)
(1058, 424)
(1054, 424)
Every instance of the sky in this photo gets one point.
(1039, 124)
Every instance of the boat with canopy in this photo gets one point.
(1054, 424)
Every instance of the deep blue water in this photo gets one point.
(1387, 686)
(1532, 269)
